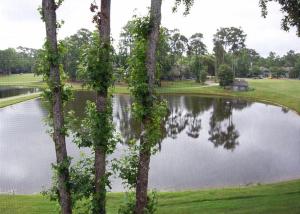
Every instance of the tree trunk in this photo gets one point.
(142, 178)
(100, 163)
(49, 15)
(101, 102)
(145, 152)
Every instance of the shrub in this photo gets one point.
(225, 75)
(203, 76)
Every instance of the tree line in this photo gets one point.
(179, 57)
(19, 60)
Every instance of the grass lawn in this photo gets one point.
(21, 80)
(271, 198)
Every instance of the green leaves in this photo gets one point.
(127, 166)
(97, 129)
(128, 207)
(187, 3)
(225, 75)
(290, 9)
(96, 65)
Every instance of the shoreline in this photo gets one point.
(5, 102)
(212, 188)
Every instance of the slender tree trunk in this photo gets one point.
(49, 15)
(145, 152)
(100, 164)
(101, 102)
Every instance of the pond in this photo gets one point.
(15, 91)
(208, 142)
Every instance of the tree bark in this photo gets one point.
(145, 151)
(100, 164)
(49, 14)
(101, 103)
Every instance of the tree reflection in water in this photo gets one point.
(185, 116)
(222, 130)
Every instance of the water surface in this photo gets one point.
(6, 91)
(208, 142)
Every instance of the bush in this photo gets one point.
(203, 76)
(225, 75)
(129, 206)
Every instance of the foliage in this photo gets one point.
(243, 63)
(276, 71)
(96, 129)
(187, 3)
(203, 76)
(290, 8)
(219, 52)
(225, 75)
(256, 71)
(165, 60)
(296, 70)
(96, 65)
(147, 108)
(45, 58)
(128, 207)
(75, 46)
(178, 43)
(196, 67)
(127, 166)
(231, 38)
(196, 46)
(49, 57)
(81, 185)
(20, 60)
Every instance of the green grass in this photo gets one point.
(17, 99)
(271, 198)
(279, 92)
(21, 80)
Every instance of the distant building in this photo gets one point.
(265, 72)
(240, 85)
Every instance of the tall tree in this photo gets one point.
(49, 8)
(219, 52)
(196, 45)
(291, 10)
(179, 43)
(145, 151)
(147, 105)
(232, 40)
(101, 73)
(75, 45)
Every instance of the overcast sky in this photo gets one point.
(20, 22)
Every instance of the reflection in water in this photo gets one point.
(222, 130)
(15, 91)
(185, 115)
(252, 145)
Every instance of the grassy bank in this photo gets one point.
(17, 99)
(279, 92)
(21, 80)
(272, 198)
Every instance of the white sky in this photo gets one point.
(20, 22)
